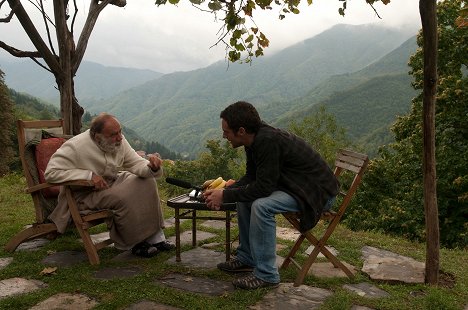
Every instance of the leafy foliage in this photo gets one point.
(6, 128)
(391, 197)
(321, 131)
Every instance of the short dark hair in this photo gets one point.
(242, 114)
(97, 124)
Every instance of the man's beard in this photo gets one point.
(106, 145)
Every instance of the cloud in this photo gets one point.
(169, 38)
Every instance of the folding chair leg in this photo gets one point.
(292, 252)
(319, 246)
(91, 250)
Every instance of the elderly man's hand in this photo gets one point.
(155, 161)
(99, 182)
(213, 198)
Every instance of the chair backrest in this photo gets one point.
(349, 168)
(37, 141)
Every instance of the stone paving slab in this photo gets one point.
(329, 248)
(16, 286)
(199, 258)
(100, 237)
(387, 266)
(199, 285)
(117, 272)
(5, 261)
(66, 301)
(65, 258)
(217, 224)
(356, 307)
(327, 270)
(366, 290)
(287, 296)
(170, 222)
(32, 245)
(186, 237)
(287, 233)
(150, 305)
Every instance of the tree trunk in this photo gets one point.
(428, 12)
(69, 107)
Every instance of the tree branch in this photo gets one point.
(19, 53)
(376, 13)
(45, 17)
(95, 8)
(34, 35)
(9, 17)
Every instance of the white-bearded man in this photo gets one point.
(124, 182)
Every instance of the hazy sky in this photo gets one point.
(169, 38)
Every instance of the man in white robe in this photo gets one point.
(124, 182)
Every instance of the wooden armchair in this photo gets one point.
(37, 142)
(349, 168)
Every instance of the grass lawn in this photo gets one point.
(16, 211)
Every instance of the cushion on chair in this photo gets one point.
(44, 150)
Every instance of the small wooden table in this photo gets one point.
(191, 206)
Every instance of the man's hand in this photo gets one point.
(155, 161)
(213, 198)
(99, 182)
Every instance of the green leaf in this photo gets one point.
(234, 56)
(215, 6)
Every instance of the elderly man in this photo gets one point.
(123, 182)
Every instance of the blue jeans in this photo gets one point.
(257, 233)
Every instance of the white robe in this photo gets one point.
(132, 196)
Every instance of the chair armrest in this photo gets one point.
(35, 188)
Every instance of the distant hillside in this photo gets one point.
(365, 102)
(29, 107)
(182, 109)
(94, 82)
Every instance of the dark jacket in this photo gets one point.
(279, 160)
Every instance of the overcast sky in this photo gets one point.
(169, 38)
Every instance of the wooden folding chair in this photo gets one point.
(349, 168)
(37, 141)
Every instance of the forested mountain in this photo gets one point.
(93, 82)
(365, 102)
(182, 109)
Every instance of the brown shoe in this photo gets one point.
(251, 282)
(234, 265)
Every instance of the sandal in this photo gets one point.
(251, 282)
(144, 249)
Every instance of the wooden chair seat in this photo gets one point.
(349, 168)
(32, 134)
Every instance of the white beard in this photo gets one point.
(106, 145)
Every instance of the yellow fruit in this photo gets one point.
(221, 185)
(207, 183)
(215, 183)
